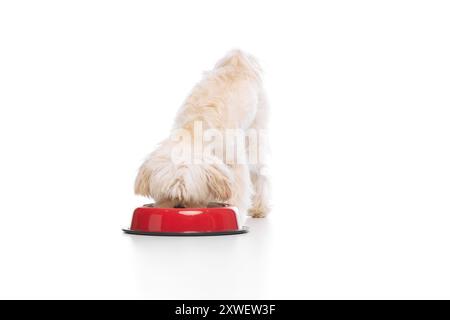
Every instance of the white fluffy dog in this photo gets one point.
(229, 98)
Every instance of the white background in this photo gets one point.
(360, 148)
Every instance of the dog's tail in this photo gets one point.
(239, 59)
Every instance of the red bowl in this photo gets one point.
(148, 220)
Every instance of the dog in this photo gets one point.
(196, 166)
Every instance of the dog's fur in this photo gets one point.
(230, 96)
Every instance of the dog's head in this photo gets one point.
(183, 184)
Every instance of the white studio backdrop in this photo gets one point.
(360, 148)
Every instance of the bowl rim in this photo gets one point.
(188, 233)
(215, 207)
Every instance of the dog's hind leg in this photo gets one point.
(261, 197)
(260, 200)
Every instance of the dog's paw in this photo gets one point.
(258, 212)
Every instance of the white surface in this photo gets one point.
(360, 139)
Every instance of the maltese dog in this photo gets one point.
(216, 150)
